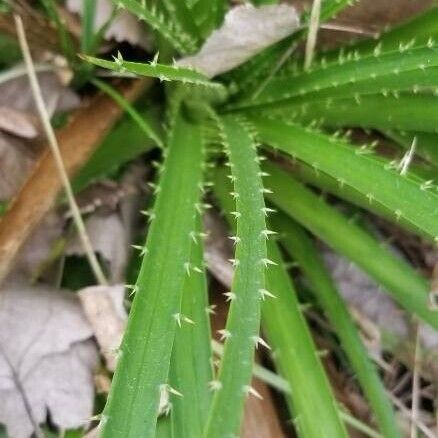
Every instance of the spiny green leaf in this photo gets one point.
(408, 288)
(289, 337)
(208, 14)
(165, 25)
(153, 70)
(178, 10)
(191, 365)
(299, 245)
(416, 32)
(356, 168)
(372, 74)
(143, 366)
(241, 333)
(327, 183)
(404, 112)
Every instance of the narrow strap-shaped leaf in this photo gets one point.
(399, 193)
(87, 31)
(65, 39)
(371, 74)
(179, 10)
(143, 366)
(242, 328)
(153, 70)
(208, 14)
(141, 121)
(167, 26)
(301, 248)
(418, 31)
(395, 275)
(404, 112)
(293, 349)
(329, 184)
(191, 365)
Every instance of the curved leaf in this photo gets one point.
(143, 365)
(354, 167)
(242, 329)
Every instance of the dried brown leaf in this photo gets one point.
(37, 196)
(47, 359)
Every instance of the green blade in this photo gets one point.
(143, 366)
(299, 246)
(294, 352)
(242, 328)
(405, 70)
(398, 193)
(408, 288)
(167, 26)
(404, 112)
(153, 70)
(191, 365)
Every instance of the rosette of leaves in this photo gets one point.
(231, 132)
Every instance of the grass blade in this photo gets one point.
(410, 289)
(191, 366)
(153, 70)
(327, 183)
(404, 112)
(350, 166)
(418, 31)
(371, 74)
(290, 339)
(301, 248)
(143, 366)
(141, 121)
(242, 328)
(167, 26)
(87, 33)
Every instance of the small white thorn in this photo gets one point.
(177, 317)
(265, 293)
(267, 262)
(192, 236)
(267, 233)
(235, 239)
(166, 387)
(210, 309)
(260, 341)
(407, 158)
(234, 262)
(215, 385)
(230, 296)
(236, 214)
(133, 288)
(265, 190)
(187, 268)
(267, 210)
(250, 390)
(225, 334)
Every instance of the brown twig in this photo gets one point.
(77, 141)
